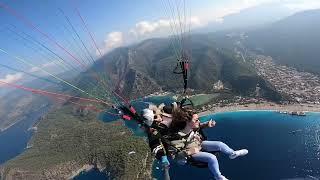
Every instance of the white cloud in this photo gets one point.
(49, 64)
(214, 13)
(114, 39)
(196, 22)
(164, 27)
(11, 78)
(303, 5)
(34, 69)
(217, 13)
(144, 29)
(46, 65)
(210, 13)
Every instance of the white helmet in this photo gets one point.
(149, 115)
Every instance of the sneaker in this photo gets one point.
(238, 153)
(221, 178)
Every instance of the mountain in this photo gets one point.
(147, 67)
(293, 41)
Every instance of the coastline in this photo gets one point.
(263, 107)
(2, 129)
(10, 125)
(84, 168)
(165, 93)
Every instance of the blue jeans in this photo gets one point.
(211, 159)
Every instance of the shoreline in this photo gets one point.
(24, 118)
(9, 126)
(262, 107)
(84, 168)
(165, 93)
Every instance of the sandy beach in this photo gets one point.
(263, 106)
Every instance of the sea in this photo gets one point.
(14, 140)
(280, 146)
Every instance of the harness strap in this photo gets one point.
(184, 67)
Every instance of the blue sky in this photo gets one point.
(113, 22)
(101, 16)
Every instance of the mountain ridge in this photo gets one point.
(293, 41)
(146, 67)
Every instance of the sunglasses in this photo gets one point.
(196, 120)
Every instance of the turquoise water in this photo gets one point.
(139, 105)
(280, 146)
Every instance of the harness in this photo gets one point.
(129, 113)
(183, 63)
(175, 151)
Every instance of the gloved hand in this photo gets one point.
(164, 161)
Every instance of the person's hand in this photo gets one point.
(211, 123)
(164, 161)
(193, 150)
(197, 137)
